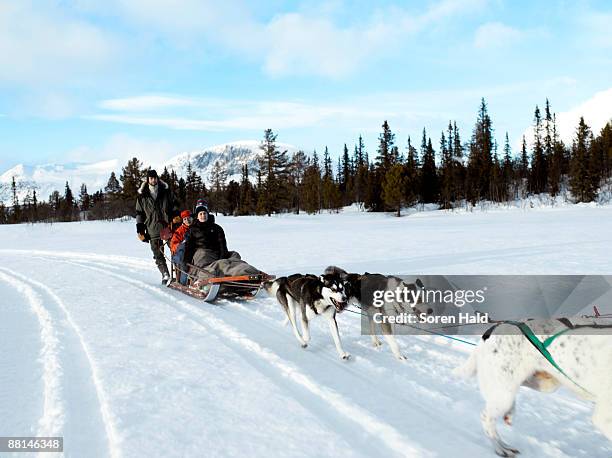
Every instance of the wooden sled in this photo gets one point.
(242, 287)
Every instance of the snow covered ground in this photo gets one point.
(92, 349)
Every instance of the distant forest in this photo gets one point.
(458, 174)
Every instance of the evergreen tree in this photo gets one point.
(273, 166)
(481, 157)
(297, 169)
(68, 204)
(581, 181)
(246, 193)
(412, 182)
(361, 172)
(539, 174)
(84, 198)
(459, 168)
(507, 170)
(113, 201)
(429, 177)
(218, 178)
(16, 214)
(131, 178)
(393, 186)
(446, 172)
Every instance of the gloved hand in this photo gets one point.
(177, 220)
(141, 230)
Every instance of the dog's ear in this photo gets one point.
(419, 283)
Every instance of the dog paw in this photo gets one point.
(377, 344)
(304, 345)
(401, 358)
(346, 356)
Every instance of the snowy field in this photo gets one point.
(93, 349)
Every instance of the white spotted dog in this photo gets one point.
(360, 291)
(307, 296)
(508, 358)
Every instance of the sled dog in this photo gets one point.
(360, 290)
(306, 296)
(507, 359)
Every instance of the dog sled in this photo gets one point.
(237, 287)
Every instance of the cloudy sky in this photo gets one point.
(85, 80)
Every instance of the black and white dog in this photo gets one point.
(361, 292)
(307, 296)
(507, 360)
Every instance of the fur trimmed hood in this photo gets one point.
(143, 187)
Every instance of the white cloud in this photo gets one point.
(146, 102)
(122, 147)
(496, 34)
(40, 44)
(290, 43)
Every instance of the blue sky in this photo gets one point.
(85, 80)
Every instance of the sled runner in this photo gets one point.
(242, 287)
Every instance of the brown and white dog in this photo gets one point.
(306, 296)
(507, 360)
(361, 289)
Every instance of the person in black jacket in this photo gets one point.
(206, 248)
(155, 209)
(205, 241)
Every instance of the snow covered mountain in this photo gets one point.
(47, 178)
(231, 156)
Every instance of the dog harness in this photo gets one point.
(542, 346)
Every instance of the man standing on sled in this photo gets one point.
(155, 208)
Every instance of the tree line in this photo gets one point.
(457, 173)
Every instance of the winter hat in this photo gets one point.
(201, 205)
(152, 174)
(185, 214)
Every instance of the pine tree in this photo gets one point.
(393, 186)
(459, 168)
(581, 182)
(297, 169)
(68, 204)
(246, 193)
(84, 198)
(429, 177)
(446, 172)
(312, 198)
(412, 182)
(273, 166)
(361, 172)
(481, 157)
(218, 178)
(539, 174)
(131, 178)
(16, 214)
(113, 201)
(507, 170)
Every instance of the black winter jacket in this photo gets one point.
(208, 235)
(155, 213)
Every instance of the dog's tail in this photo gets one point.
(272, 286)
(468, 368)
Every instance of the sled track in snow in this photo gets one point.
(105, 411)
(387, 434)
(52, 420)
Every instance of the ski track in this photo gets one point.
(387, 434)
(108, 418)
(51, 422)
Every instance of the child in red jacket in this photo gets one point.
(179, 234)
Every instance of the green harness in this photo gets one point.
(542, 346)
